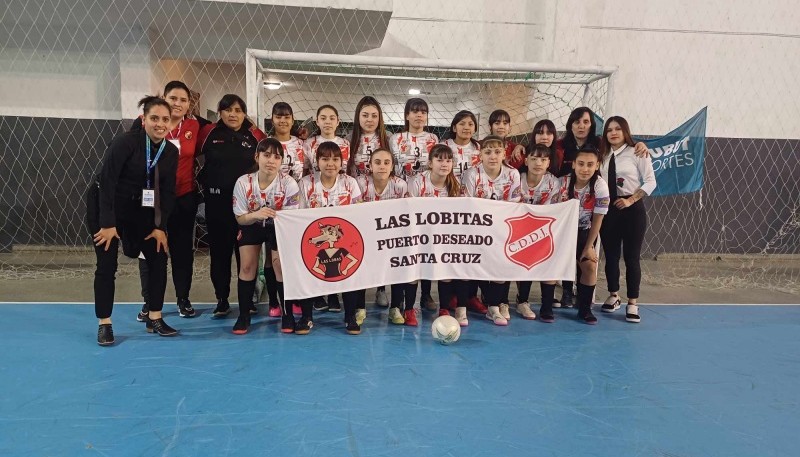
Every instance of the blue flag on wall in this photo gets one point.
(679, 157)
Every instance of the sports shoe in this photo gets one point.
(160, 327)
(475, 305)
(461, 316)
(395, 317)
(185, 308)
(546, 314)
(567, 299)
(223, 308)
(381, 299)
(611, 304)
(556, 304)
(353, 327)
(587, 316)
(504, 311)
(444, 312)
(410, 317)
(142, 316)
(320, 304)
(524, 310)
(105, 335)
(297, 310)
(334, 306)
(253, 309)
(427, 302)
(361, 314)
(274, 311)
(242, 324)
(303, 326)
(632, 314)
(287, 324)
(493, 314)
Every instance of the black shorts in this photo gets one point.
(583, 237)
(256, 234)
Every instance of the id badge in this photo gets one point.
(148, 198)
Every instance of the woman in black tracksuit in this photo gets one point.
(132, 204)
(228, 147)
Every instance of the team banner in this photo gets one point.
(337, 249)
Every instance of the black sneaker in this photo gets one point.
(546, 314)
(223, 308)
(611, 304)
(105, 335)
(242, 324)
(320, 304)
(287, 324)
(185, 308)
(352, 326)
(160, 327)
(253, 309)
(303, 326)
(587, 316)
(142, 316)
(567, 299)
(333, 304)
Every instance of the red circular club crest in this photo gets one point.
(332, 249)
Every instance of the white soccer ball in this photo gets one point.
(445, 329)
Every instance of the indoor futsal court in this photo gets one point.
(399, 228)
(698, 380)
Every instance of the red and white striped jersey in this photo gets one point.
(293, 157)
(313, 143)
(546, 192)
(464, 157)
(395, 188)
(505, 187)
(366, 145)
(314, 195)
(422, 186)
(411, 150)
(282, 193)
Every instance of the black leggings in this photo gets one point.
(623, 232)
(180, 237)
(222, 232)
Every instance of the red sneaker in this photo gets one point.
(274, 311)
(410, 317)
(475, 305)
(453, 303)
(444, 312)
(296, 309)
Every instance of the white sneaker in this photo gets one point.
(396, 317)
(611, 304)
(524, 310)
(381, 299)
(494, 315)
(632, 314)
(461, 316)
(361, 314)
(504, 311)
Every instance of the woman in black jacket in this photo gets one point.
(135, 197)
(228, 147)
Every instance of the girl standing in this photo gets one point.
(327, 122)
(500, 125)
(630, 179)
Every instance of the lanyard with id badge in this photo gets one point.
(148, 193)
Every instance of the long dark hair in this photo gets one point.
(585, 149)
(570, 143)
(605, 147)
(461, 115)
(355, 138)
(284, 109)
(413, 104)
(442, 151)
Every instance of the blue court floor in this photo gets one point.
(687, 381)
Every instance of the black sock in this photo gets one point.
(307, 306)
(548, 293)
(446, 292)
(411, 294)
(397, 295)
(272, 285)
(585, 295)
(245, 290)
(425, 287)
(567, 288)
(462, 289)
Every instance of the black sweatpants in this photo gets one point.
(222, 232)
(623, 232)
